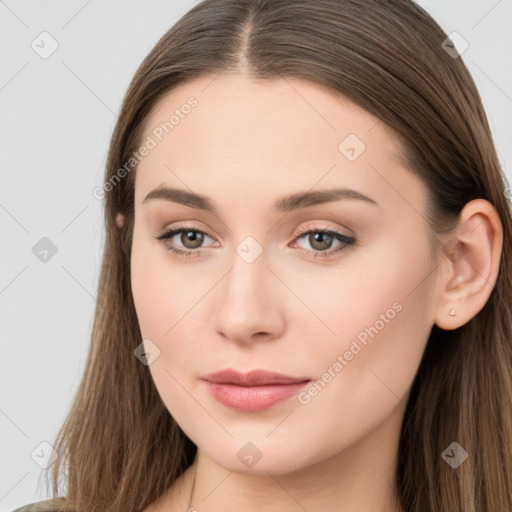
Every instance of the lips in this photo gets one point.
(253, 391)
(252, 378)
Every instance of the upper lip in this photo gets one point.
(252, 378)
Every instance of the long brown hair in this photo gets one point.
(119, 448)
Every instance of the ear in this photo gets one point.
(120, 220)
(469, 264)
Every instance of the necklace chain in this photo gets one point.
(192, 491)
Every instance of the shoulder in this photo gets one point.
(38, 506)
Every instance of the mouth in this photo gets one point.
(253, 391)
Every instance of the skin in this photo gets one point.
(244, 145)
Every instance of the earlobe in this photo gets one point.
(470, 264)
(120, 220)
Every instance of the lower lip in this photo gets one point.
(253, 398)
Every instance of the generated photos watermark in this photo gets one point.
(151, 142)
(342, 360)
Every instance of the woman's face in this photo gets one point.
(255, 291)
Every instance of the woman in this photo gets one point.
(304, 301)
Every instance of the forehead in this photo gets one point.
(231, 132)
(242, 107)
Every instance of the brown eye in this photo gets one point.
(322, 239)
(192, 236)
(190, 240)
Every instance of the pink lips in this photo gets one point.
(253, 391)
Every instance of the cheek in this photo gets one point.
(163, 299)
(165, 294)
(147, 282)
(351, 296)
(378, 329)
(162, 292)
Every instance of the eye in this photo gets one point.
(191, 238)
(321, 239)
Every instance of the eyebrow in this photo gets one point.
(282, 205)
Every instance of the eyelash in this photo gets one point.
(347, 241)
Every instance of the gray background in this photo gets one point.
(57, 115)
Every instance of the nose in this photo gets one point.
(249, 306)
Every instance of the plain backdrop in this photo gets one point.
(57, 114)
